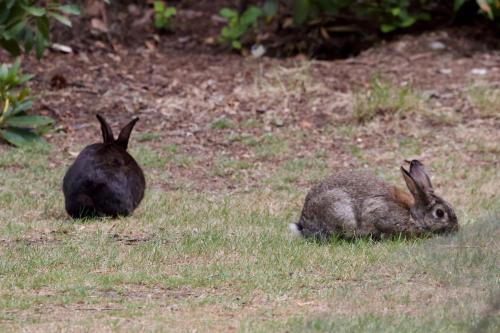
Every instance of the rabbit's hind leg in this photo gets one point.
(330, 212)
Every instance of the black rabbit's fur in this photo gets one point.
(104, 180)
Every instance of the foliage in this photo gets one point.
(16, 126)
(238, 25)
(24, 24)
(490, 8)
(163, 15)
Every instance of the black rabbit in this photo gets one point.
(104, 180)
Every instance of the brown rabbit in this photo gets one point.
(353, 204)
(104, 180)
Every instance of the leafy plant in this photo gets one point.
(490, 8)
(390, 14)
(396, 14)
(24, 24)
(16, 126)
(163, 15)
(238, 25)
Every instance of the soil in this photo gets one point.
(180, 83)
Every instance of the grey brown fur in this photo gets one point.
(353, 204)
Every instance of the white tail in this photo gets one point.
(294, 229)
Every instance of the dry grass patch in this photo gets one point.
(384, 97)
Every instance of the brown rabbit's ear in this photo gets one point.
(416, 190)
(125, 133)
(107, 133)
(418, 173)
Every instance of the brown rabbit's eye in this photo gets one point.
(439, 213)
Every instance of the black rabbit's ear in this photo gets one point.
(125, 133)
(107, 133)
(416, 190)
(418, 173)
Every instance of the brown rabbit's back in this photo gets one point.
(337, 205)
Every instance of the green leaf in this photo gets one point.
(228, 13)
(4, 70)
(236, 45)
(270, 8)
(14, 68)
(457, 4)
(301, 11)
(159, 6)
(40, 43)
(35, 11)
(29, 40)
(61, 18)
(385, 28)
(409, 21)
(42, 24)
(250, 16)
(4, 13)
(19, 137)
(69, 9)
(21, 107)
(15, 30)
(11, 46)
(171, 11)
(32, 122)
(12, 76)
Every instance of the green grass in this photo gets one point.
(484, 98)
(384, 98)
(205, 261)
(222, 123)
(269, 146)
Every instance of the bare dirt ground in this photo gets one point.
(179, 95)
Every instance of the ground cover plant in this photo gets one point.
(230, 146)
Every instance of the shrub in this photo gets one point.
(238, 25)
(16, 126)
(163, 15)
(24, 24)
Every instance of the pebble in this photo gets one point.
(479, 71)
(445, 71)
(436, 45)
(258, 50)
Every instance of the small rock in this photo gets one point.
(209, 41)
(258, 50)
(436, 45)
(61, 48)
(445, 71)
(479, 71)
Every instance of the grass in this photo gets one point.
(384, 98)
(485, 98)
(221, 123)
(188, 260)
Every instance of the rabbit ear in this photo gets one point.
(107, 133)
(416, 190)
(125, 133)
(418, 173)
